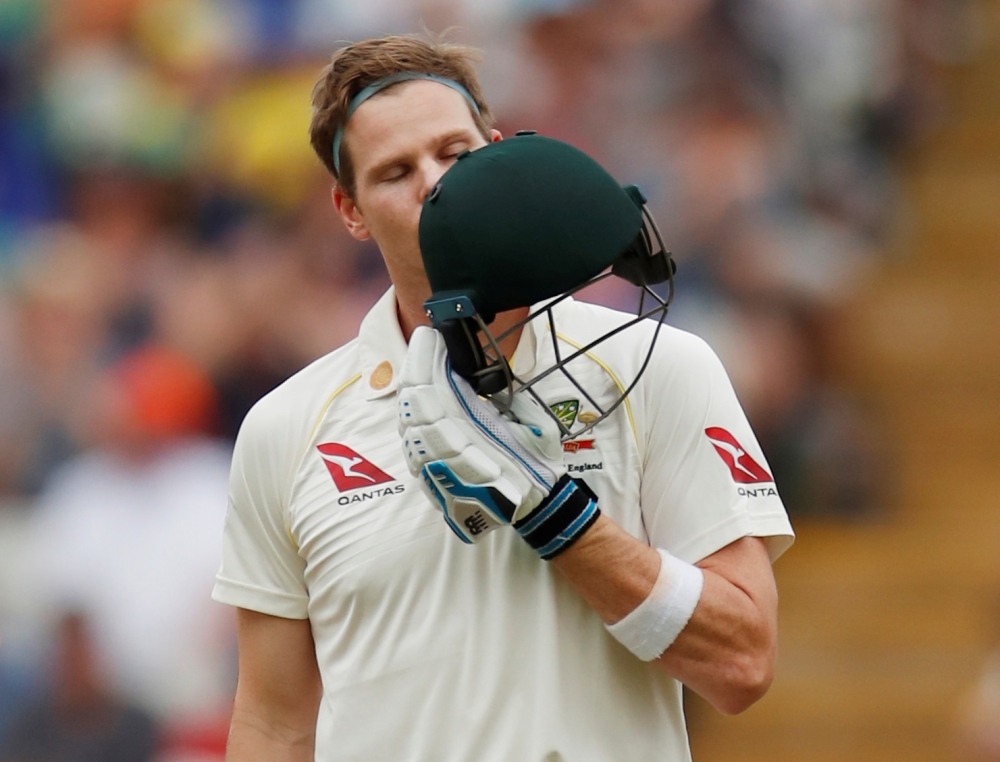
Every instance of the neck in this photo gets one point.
(411, 314)
(504, 321)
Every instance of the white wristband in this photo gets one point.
(656, 622)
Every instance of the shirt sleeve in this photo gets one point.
(705, 480)
(261, 566)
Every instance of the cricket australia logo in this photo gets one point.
(566, 412)
(745, 470)
(349, 470)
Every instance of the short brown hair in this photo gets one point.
(359, 64)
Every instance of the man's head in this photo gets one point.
(358, 65)
(396, 144)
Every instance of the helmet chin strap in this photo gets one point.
(487, 372)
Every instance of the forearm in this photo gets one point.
(278, 692)
(612, 570)
(253, 739)
(726, 651)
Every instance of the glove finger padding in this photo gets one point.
(434, 441)
(483, 469)
(417, 407)
(423, 355)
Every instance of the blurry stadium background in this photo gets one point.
(827, 173)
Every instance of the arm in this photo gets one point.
(484, 470)
(278, 693)
(726, 652)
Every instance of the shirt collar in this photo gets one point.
(383, 348)
(535, 348)
(525, 356)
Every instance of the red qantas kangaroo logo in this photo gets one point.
(745, 469)
(348, 469)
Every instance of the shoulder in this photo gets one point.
(275, 433)
(678, 354)
(296, 403)
(670, 376)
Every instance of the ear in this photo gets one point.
(350, 213)
(495, 136)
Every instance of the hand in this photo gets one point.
(483, 469)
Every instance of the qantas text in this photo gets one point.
(758, 492)
(357, 497)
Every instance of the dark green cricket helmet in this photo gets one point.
(522, 220)
(518, 222)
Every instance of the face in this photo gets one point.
(401, 141)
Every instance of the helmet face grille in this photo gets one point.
(658, 312)
(502, 384)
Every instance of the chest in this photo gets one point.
(365, 528)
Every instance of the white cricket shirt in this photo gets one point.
(437, 651)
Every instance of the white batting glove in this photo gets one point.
(484, 470)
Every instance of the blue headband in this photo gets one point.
(381, 84)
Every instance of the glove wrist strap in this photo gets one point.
(561, 518)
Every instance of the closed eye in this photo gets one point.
(452, 150)
(395, 173)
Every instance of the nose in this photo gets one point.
(431, 171)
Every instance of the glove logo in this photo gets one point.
(348, 469)
(745, 470)
(476, 524)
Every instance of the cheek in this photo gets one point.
(393, 213)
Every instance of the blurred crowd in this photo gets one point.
(168, 254)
